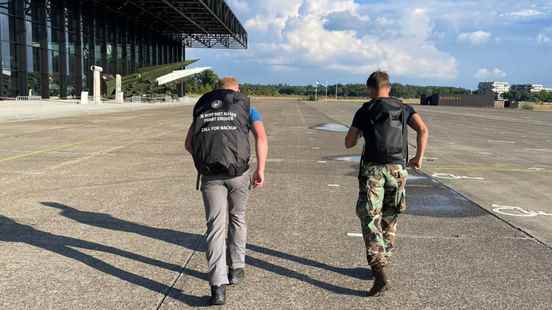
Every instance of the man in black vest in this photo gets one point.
(382, 179)
(218, 140)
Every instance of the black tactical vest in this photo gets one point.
(220, 134)
(387, 141)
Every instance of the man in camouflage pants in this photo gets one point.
(382, 178)
(381, 199)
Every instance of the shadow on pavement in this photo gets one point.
(359, 273)
(11, 231)
(193, 242)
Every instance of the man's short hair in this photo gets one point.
(229, 82)
(378, 80)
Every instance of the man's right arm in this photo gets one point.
(352, 137)
(189, 146)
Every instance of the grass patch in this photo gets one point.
(528, 106)
(543, 107)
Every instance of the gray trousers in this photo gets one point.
(225, 202)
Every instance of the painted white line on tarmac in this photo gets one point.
(458, 237)
(517, 211)
(334, 185)
(449, 176)
(322, 162)
(539, 150)
(348, 158)
(502, 141)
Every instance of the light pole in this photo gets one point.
(326, 100)
(316, 96)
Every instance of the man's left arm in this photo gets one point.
(261, 147)
(418, 124)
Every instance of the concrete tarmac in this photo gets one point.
(100, 212)
(501, 159)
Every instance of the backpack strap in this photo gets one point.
(361, 162)
(198, 181)
(405, 134)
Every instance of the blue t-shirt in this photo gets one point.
(254, 115)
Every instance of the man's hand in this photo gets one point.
(258, 179)
(415, 163)
(352, 137)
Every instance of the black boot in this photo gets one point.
(218, 295)
(236, 275)
(380, 282)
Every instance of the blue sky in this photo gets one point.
(430, 42)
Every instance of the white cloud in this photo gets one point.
(320, 33)
(545, 37)
(475, 38)
(240, 7)
(525, 13)
(272, 15)
(490, 74)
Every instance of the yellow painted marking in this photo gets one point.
(45, 151)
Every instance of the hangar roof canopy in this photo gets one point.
(199, 23)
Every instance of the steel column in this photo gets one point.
(91, 34)
(44, 59)
(123, 39)
(155, 52)
(19, 38)
(181, 86)
(132, 39)
(103, 44)
(115, 36)
(61, 31)
(77, 76)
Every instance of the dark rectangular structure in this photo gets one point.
(48, 46)
(474, 100)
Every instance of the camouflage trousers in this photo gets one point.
(382, 198)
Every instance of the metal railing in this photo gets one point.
(28, 98)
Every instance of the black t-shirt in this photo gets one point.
(361, 120)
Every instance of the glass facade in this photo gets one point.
(48, 46)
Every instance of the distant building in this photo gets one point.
(493, 87)
(48, 46)
(530, 88)
(548, 89)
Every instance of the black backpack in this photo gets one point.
(387, 141)
(220, 134)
